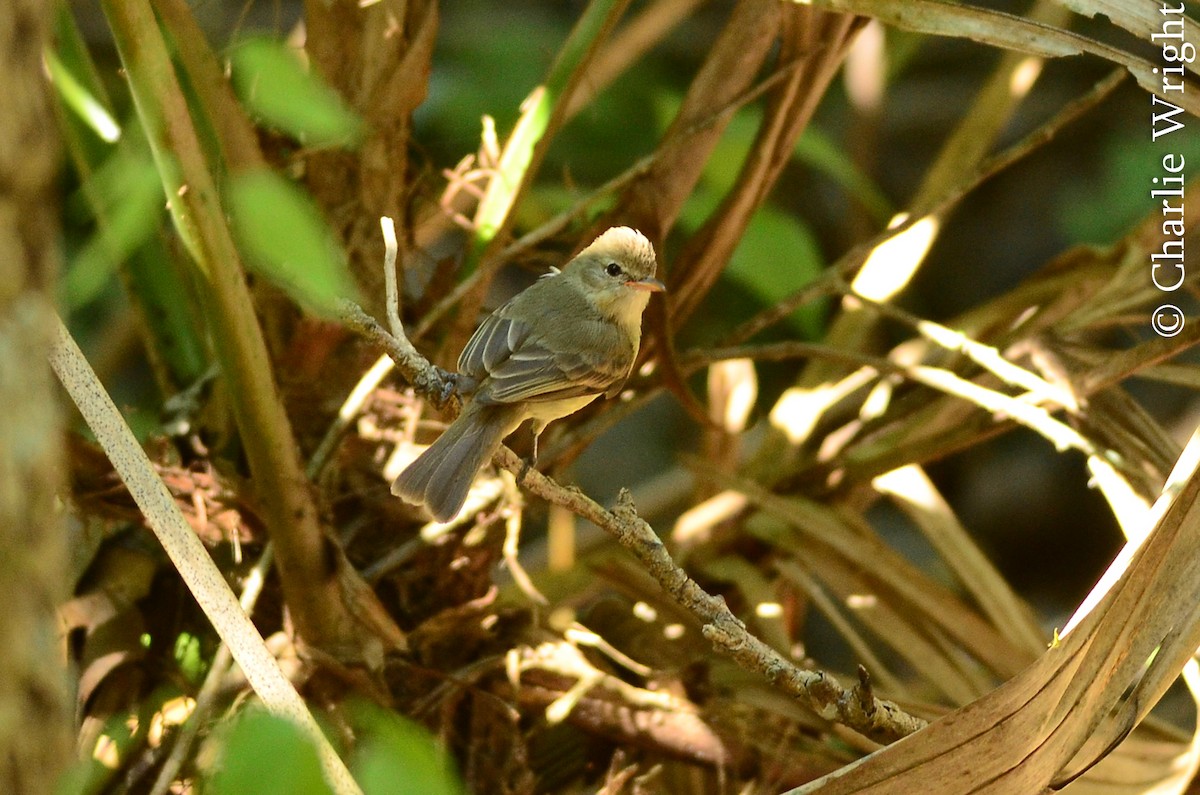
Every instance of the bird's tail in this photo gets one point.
(442, 475)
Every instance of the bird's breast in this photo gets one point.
(547, 411)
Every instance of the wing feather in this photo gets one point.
(491, 345)
(514, 366)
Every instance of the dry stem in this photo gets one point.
(855, 707)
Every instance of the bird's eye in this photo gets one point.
(613, 269)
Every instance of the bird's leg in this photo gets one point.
(537, 431)
(530, 462)
(455, 385)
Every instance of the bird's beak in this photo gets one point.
(649, 285)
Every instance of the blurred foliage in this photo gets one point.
(279, 92)
(1113, 194)
(135, 298)
(285, 238)
(394, 756)
(256, 742)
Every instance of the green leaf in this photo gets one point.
(77, 96)
(1114, 196)
(189, 657)
(776, 257)
(263, 754)
(287, 240)
(129, 193)
(398, 757)
(274, 86)
(819, 151)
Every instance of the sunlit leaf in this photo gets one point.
(275, 87)
(190, 656)
(76, 96)
(288, 241)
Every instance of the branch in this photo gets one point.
(856, 707)
(191, 559)
(317, 600)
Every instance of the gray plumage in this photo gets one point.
(552, 349)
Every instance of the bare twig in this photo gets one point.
(426, 378)
(315, 599)
(884, 721)
(191, 559)
(881, 720)
(206, 697)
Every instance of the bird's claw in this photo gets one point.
(449, 386)
(453, 385)
(526, 465)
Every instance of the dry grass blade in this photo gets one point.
(917, 496)
(1007, 31)
(1143, 19)
(993, 107)
(901, 627)
(1039, 389)
(1055, 719)
(1125, 426)
(909, 241)
(653, 201)
(811, 526)
(862, 649)
(850, 263)
(813, 45)
(1059, 300)
(893, 263)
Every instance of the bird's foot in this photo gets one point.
(526, 465)
(454, 385)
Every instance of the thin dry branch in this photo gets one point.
(856, 707)
(815, 43)
(191, 559)
(318, 601)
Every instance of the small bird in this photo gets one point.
(555, 347)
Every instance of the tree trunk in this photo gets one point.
(34, 713)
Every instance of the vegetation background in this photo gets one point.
(882, 500)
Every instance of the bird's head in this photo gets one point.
(616, 273)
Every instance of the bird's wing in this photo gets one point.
(514, 367)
